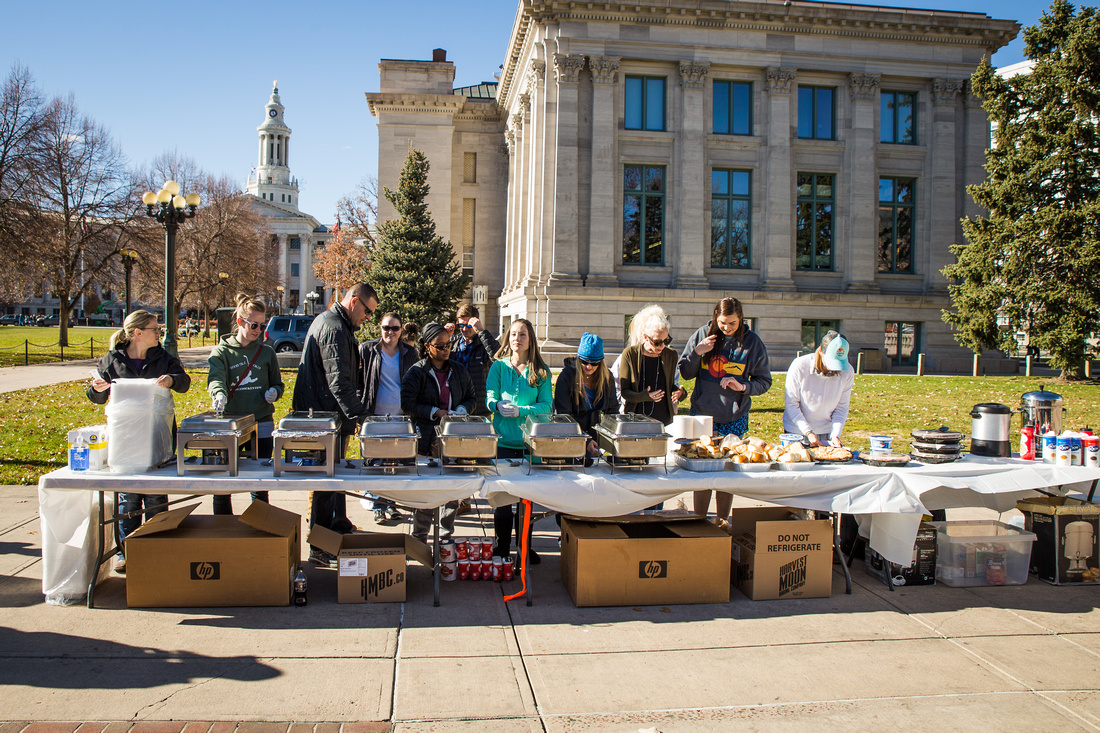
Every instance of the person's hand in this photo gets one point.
(593, 448)
(811, 438)
(271, 396)
(657, 395)
(218, 403)
(679, 395)
(507, 409)
(835, 442)
(460, 410)
(165, 381)
(449, 328)
(706, 345)
(100, 385)
(474, 324)
(732, 383)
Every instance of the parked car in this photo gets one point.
(9, 320)
(287, 333)
(52, 321)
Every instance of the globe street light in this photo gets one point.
(170, 208)
(129, 257)
(312, 297)
(281, 290)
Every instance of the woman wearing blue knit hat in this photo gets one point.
(584, 389)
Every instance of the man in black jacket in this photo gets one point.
(473, 348)
(329, 380)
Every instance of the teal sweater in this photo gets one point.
(227, 363)
(505, 383)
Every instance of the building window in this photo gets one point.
(468, 224)
(732, 108)
(294, 269)
(814, 330)
(295, 243)
(895, 224)
(730, 218)
(899, 118)
(902, 342)
(814, 211)
(469, 167)
(645, 103)
(816, 112)
(643, 214)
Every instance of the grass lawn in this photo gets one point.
(84, 343)
(34, 422)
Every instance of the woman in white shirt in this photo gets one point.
(818, 389)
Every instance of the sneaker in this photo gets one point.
(464, 507)
(379, 516)
(320, 558)
(119, 565)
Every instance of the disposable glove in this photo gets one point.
(219, 403)
(460, 410)
(271, 395)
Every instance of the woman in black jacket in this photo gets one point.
(134, 352)
(433, 388)
(584, 390)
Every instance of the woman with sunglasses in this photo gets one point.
(244, 379)
(730, 366)
(433, 388)
(134, 352)
(647, 377)
(518, 385)
(584, 389)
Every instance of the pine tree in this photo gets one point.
(1035, 259)
(414, 270)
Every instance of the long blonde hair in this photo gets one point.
(247, 304)
(137, 319)
(538, 370)
(603, 377)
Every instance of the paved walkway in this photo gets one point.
(38, 375)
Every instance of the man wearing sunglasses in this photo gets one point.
(472, 347)
(329, 380)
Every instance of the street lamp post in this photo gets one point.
(281, 290)
(312, 297)
(223, 277)
(129, 257)
(169, 208)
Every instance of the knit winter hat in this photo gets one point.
(430, 331)
(591, 347)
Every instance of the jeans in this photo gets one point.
(136, 502)
(422, 521)
(223, 503)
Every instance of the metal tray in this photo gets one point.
(465, 425)
(553, 446)
(941, 448)
(633, 446)
(935, 458)
(311, 420)
(212, 421)
(889, 460)
(551, 426)
(752, 467)
(386, 426)
(938, 435)
(467, 446)
(800, 466)
(632, 425)
(832, 460)
(703, 465)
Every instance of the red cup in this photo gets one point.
(464, 570)
(498, 570)
(508, 570)
(487, 549)
(460, 549)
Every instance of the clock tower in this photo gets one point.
(271, 180)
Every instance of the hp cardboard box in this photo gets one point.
(178, 560)
(644, 560)
(774, 556)
(921, 571)
(1067, 539)
(371, 568)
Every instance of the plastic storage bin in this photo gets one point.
(982, 553)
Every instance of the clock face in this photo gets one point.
(273, 113)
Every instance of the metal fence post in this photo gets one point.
(91, 347)
(61, 346)
(26, 352)
(920, 364)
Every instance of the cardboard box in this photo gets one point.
(95, 437)
(644, 560)
(184, 561)
(371, 568)
(1056, 522)
(774, 556)
(921, 571)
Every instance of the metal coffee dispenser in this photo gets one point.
(989, 433)
(1042, 410)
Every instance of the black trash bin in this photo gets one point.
(227, 322)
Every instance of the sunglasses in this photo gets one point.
(586, 362)
(441, 347)
(664, 342)
(250, 325)
(464, 325)
(391, 329)
(365, 308)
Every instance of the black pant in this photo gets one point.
(505, 517)
(329, 508)
(223, 503)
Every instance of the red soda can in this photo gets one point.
(460, 549)
(508, 570)
(463, 569)
(498, 570)
(487, 549)
(1027, 443)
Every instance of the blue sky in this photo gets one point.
(196, 79)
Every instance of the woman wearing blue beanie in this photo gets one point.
(584, 389)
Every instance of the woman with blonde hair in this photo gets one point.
(648, 382)
(134, 352)
(244, 379)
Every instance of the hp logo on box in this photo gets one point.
(653, 569)
(206, 571)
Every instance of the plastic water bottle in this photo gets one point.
(79, 453)
(300, 588)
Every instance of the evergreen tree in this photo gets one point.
(1035, 259)
(414, 270)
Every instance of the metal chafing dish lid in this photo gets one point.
(309, 420)
(551, 426)
(1041, 398)
(215, 421)
(466, 425)
(386, 426)
(941, 434)
(632, 425)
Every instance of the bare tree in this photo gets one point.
(358, 211)
(342, 262)
(21, 118)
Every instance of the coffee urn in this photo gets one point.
(1042, 410)
(989, 430)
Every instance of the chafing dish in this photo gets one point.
(218, 436)
(556, 439)
(388, 442)
(305, 442)
(465, 439)
(631, 440)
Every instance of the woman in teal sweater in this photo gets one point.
(244, 379)
(518, 385)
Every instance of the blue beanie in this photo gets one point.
(591, 348)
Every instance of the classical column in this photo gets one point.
(861, 260)
(779, 189)
(689, 162)
(524, 210)
(602, 245)
(511, 241)
(564, 263)
(945, 201)
(305, 269)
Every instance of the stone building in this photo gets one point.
(276, 197)
(809, 159)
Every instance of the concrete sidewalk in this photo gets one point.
(1008, 658)
(38, 375)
